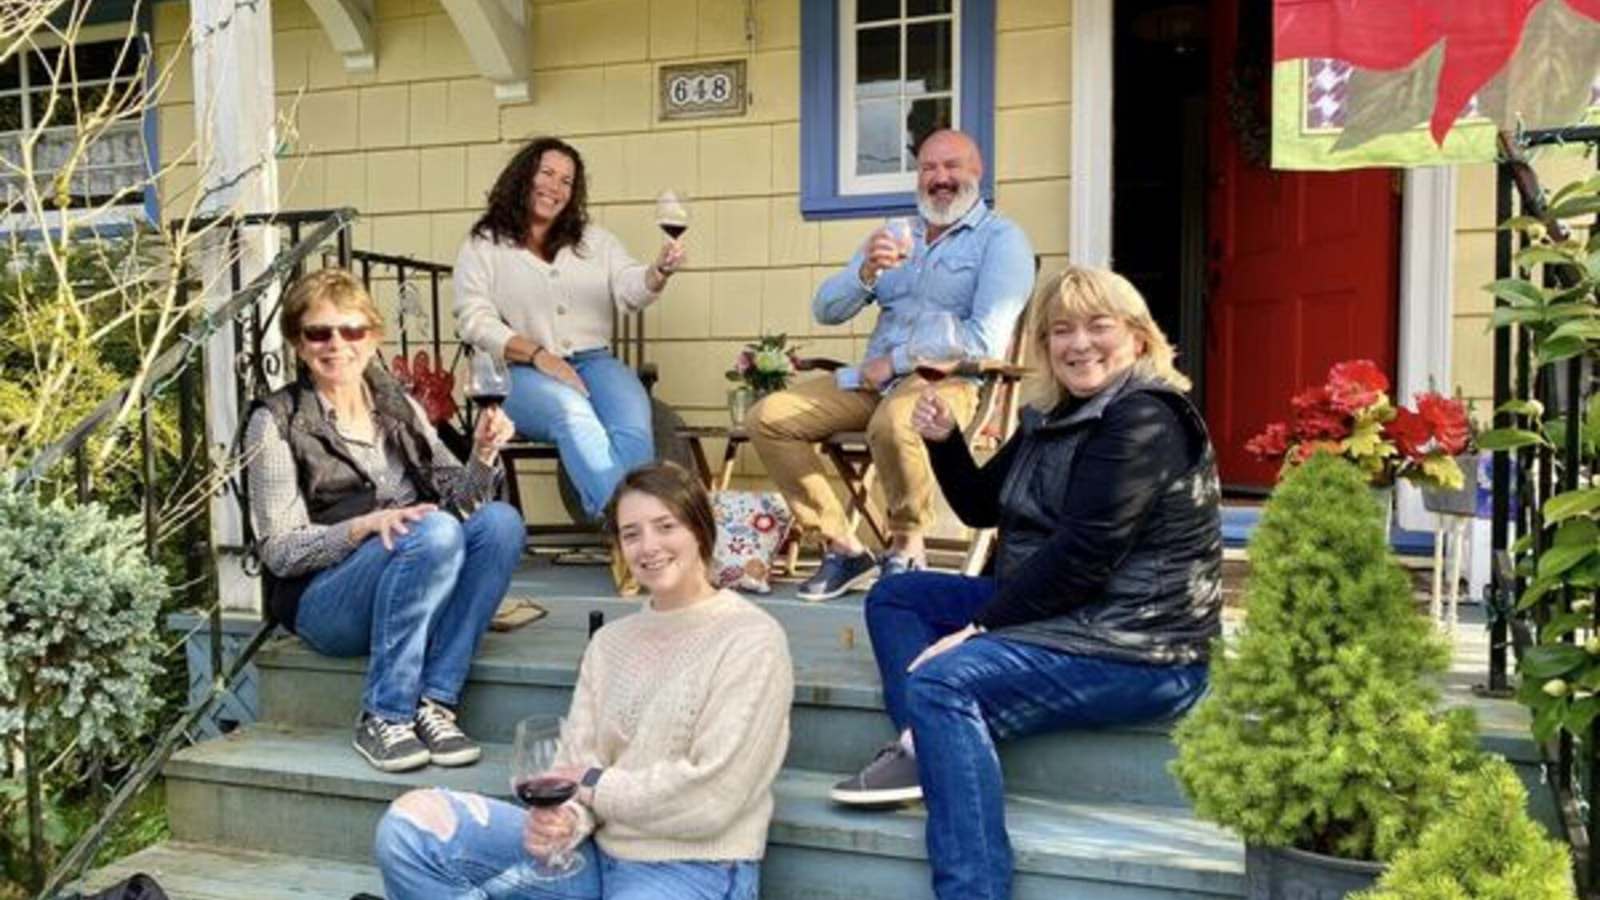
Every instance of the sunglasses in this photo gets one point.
(321, 334)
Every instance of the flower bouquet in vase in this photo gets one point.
(760, 368)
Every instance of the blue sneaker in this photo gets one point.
(837, 575)
(899, 564)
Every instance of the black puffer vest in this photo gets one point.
(334, 486)
(1163, 601)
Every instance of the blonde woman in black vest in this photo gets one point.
(376, 541)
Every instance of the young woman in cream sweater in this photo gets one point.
(678, 726)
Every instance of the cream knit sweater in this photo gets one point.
(688, 712)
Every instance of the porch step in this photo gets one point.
(837, 722)
(302, 791)
(202, 872)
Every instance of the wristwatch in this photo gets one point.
(591, 776)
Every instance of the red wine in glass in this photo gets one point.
(673, 230)
(489, 398)
(933, 374)
(547, 791)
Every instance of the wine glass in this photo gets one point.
(900, 231)
(488, 379)
(935, 346)
(533, 751)
(671, 215)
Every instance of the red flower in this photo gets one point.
(1271, 444)
(763, 523)
(1355, 385)
(1447, 420)
(1410, 433)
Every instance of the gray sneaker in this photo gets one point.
(891, 778)
(447, 744)
(389, 746)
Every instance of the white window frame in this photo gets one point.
(134, 208)
(849, 182)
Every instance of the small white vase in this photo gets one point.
(740, 399)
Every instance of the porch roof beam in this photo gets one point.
(348, 24)
(497, 37)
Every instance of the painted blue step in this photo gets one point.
(304, 792)
(202, 872)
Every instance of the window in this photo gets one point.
(117, 160)
(877, 76)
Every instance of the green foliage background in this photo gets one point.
(1321, 730)
(94, 324)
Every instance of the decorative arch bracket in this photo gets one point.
(498, 38)
(348, 24)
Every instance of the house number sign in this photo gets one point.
(703, 90)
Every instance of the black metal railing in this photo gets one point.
(1524, 479)
(255, 367)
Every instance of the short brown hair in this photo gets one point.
(336, 287)
(680, 492)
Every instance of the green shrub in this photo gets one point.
(1320, 730)
(1485, 848)
(79, 603)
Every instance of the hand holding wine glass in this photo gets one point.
(932, 417)
(533, 754)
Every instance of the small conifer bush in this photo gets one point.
(1485, 848)
(1321, 730)
(78, 632)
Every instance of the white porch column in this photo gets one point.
(1427, 288)
(234, 125)
(1089, 235)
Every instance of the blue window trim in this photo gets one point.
(819, 110)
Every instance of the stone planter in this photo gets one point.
(1462, 502)
(1284, 873)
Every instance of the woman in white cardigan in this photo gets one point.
(678, 726)
(536, 284)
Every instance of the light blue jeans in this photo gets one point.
(481, 858)
(599, 437)
(418, 610)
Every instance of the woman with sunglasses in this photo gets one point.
(374, 540)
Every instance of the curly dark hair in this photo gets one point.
(507, 218)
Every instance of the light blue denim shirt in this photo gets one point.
(980, 271)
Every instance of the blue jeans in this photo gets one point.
(987, 689)
(599, 437)
(477, 854)
(418, 610)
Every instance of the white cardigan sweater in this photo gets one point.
(565, 307)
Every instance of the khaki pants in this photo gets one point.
(785, 427)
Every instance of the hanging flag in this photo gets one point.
(1423, 82)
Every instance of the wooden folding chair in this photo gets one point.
(993, 421)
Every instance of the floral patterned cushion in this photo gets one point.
(751, 526)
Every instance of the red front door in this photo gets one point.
(1304, 272)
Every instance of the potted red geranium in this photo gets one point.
(1351, 416)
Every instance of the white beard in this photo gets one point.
(966, 197)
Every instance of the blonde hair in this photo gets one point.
(336, 287)
(1084, 293)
